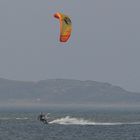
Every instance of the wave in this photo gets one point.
(18, 118)
(80, 121)
(24, 118)
(5, 118)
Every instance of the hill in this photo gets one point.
(64, 92)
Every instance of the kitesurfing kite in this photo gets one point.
(65, 26)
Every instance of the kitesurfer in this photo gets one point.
(42, 118)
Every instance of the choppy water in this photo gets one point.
(71, 125)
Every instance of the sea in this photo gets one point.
(70, 124)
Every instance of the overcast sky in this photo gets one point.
(104, 46)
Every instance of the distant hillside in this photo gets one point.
(64, 92)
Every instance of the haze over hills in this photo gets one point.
(64, 92)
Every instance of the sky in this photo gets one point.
(104, 45)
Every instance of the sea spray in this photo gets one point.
(80, 121)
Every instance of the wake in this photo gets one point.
(80, 121)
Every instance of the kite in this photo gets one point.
(65, 26)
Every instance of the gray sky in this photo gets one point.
(104, 46)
